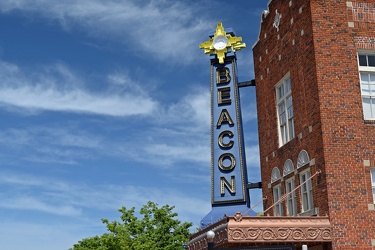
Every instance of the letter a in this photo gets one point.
(224, 117)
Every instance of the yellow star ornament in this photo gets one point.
(218, 45)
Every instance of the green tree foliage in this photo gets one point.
(156, 230)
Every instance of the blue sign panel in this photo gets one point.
(229, 194)
(227, 148)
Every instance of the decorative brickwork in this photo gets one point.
(363, 11)
(365, 42)
(272, 234)
(258, 231)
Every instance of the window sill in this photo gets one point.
(311, 212)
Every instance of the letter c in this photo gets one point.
(221, 143)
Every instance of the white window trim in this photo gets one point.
(291, 197)
(309, 192)
(373, 183)
(303, 159)
(288, 167)
(366, 69)
(275, 175)
(289, 133)
(365, 52)
(278, 207)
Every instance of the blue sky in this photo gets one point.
(105, 104)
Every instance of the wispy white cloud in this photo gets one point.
(169, 154)
(252, 155)
(57, 88)
(163, 29)
(61, 145)
(40, 235)
(189, 120)
(38, 193)
(68, 144)
(23, 202)
(192, 109)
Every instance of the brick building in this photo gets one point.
(314, 64)
(314, 67)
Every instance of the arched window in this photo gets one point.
(288, 167)
(303, 159)
(275, 175)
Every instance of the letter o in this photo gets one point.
(232, 162)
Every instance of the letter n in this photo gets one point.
(230, 186)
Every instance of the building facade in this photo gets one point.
(314, 67)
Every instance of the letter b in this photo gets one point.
(222, 75)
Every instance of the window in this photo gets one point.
(275, 175)
(285, 110)
(373, 183)
(291, 205)
(367, 78)
(306, 191)
(288, 167)
(303, 159)
(278, 208)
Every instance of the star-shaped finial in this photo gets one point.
(218, 45)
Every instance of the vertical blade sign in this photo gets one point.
(227, 151)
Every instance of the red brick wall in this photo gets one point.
(317, 43)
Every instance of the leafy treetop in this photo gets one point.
(157, 229)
